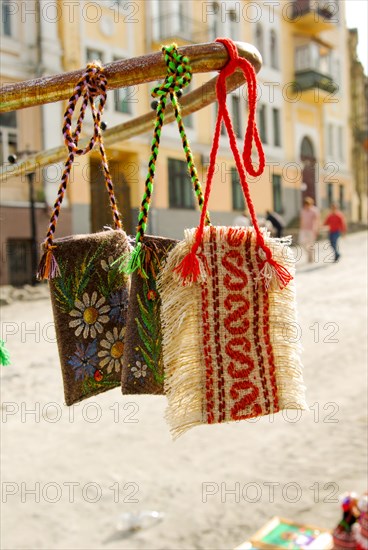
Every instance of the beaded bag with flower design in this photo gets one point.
(89, 294)
(143, 361)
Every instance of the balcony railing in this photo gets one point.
(314, 68)
(310, 79)
(174, 25)
(315, 16)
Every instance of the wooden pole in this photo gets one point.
(191, 102)
(208, 57)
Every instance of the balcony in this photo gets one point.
(360, 131)
(311, 17)
(174, 27)
(314, 72)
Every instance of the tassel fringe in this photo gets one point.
(4, 354)
(286, 343)
(48, 267)
(135, 261)
(181, 346)
(192, 269)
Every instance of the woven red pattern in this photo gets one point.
(236, 332)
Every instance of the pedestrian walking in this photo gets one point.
(309, 226)
(336, 225)
(277, 221)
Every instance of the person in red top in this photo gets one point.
(336, 224)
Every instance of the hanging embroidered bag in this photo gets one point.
(143, 372)
(228, 300)
(89, 295)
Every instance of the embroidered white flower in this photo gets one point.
(140, 371)
(90, 315)
(107, 265)
(112, 355)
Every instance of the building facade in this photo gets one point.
(303, 113)
(359, 123)
(30, 48)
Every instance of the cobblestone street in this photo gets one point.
(216, 485)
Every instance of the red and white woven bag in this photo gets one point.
(228, 299)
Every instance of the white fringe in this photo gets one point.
(285, 333)
(181, 344)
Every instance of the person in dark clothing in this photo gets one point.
(277, 222)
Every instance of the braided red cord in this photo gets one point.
(92, 84)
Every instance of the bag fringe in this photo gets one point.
(181, 347)
(48, 267)
(286, 350)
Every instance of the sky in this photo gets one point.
(357, 17)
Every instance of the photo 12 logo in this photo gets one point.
(69, 491)
(268, 491)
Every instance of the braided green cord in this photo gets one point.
(179, 76)
(189, 157)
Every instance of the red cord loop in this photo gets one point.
(189, 268)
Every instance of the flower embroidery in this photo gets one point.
(140, 371)
(90, 314)
(119, 305)
(84, 361)
(152, 295)
(112, 355)
(107, 265)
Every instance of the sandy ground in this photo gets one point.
(68, 474)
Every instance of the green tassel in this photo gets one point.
(136, 261)
(121, 262)
(4, 354)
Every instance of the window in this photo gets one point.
(94, 55)
(180, 185)
(277, 193)
(171, 19)
(189, 119)
(273, 50)
(8, 135)
(125, 97)
(307, 149)
(259, 41)
(330, 143)
(262, 125)
(19, 254)
(216, 21)
(341, 197)
(223, 129)
(237, 192)
(234, 25)
(330, 197)
(276, 127)
(6, 12)
(235, 104)
(8, 119)
(340, 142)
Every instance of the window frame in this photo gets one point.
(259, 40)
(180, 185)
(262, 123)
(277, 194)
(274, 57)
(276, 123)
(6, 132)
(237, 197)
(6, 19)
(330, 193)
